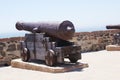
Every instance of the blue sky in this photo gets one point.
(85, 14)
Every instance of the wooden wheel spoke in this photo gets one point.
(25, 54)
(50, 58)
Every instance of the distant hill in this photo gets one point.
(14, 34)
(90, 29)
(22, 33)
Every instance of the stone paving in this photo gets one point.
(103, 65)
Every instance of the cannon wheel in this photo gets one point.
(50, 58)
(73, 58)
(25, 55)
(8, 63)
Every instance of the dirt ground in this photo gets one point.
(103, 65)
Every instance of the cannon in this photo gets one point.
(64, 30)
(117, 35)
(49, 42)
(113, 26)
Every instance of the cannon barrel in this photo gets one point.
(113, 27)
(64, 30)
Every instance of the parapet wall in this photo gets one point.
(10, 47)
(94, 41)
(89, 41)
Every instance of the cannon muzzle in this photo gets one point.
(64, 30)
(113, 27)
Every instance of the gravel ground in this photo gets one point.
(103, 65)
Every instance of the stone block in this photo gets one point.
(1, 48)
(11, 47)
(18, 63)
(18, 47)
(2, 44)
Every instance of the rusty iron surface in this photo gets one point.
(63, 30)
(113, 27)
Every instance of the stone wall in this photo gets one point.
(89, 41)
(10, 47)
(94, 41)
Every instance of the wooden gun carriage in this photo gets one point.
(49, 42)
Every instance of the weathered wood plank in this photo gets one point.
(113, 48)
(18, 63)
